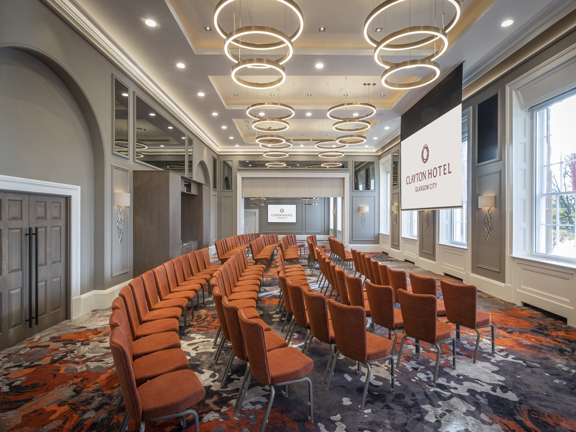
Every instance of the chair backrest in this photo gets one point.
(311, 249)
(349, 324)
(369, 270)
(285, 292)
(131, 309)
(397, 279)
(460, 302)
(171, 275)
(123, 362)
(179, 268)
(332, 279)
(234, 330)
(355, 290)
(383, 271)
(200, 260)
(340, 280)
(423, 284)
(381, 299)
(298, 305)
(255, 343)
(218, 299)
(375, 272)
(357, 267)
(317, 308)
(161, 281)
(419, 313)
(139, 297)
(119, 317)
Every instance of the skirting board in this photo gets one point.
(365, 247)
(95, 299)
(494, 288)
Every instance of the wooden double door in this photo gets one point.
(33, 264)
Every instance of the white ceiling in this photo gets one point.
(347, 57)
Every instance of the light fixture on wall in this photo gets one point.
(363, 210)
(394, 208)
(121, 200)
(487, 202)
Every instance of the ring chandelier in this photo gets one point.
(360, 105)
(351, 139)
(410, 64)
(257, 125)
(258, 30)
(333, 164)
(329, 145)
(331, 154)
(270, 105)
(364, 126)
(282, 146)
(275, 154)
(270, 139)
(275, 164)
(259, 64)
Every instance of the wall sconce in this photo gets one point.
(121, 200)
(487, 202)
(394, 208)
(363, 210)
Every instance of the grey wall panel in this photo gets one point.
(395, 221)
(227, 217)
(366, 233)
(120, 255)
(427, 234)
(487, 253)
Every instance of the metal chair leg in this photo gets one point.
(458, 331)
(454, 352)
(124, 423)
(477, 344)
(392, 375)
(285, 321)
(242, 386)
(291, 332)
(270, 402)
(332, 350)
(493, 340)
(227, 370)
(311, 397)
(394, 343)
(400, 350)
(368, 375)
(219, 350)
(332, 369)
(437, 363)
(119, 404)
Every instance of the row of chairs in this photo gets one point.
(338, 252)
(263, 248)
(312, 242)
(290, 247)
(228, 247)
(266, 355)
(154, 373)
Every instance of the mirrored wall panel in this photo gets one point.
(364, 176)
(227, 175)
(121, 98)
(158, 141)
(291, 164)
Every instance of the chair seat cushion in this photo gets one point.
(170, 394)
(294, 266)
(200, 280)
(162, 314)
(155, 342)
(159, 363)
(377, 346)
(188, 295)
(246, 288)
(288, 364)
(251, 313)
(171, 303)
(482, 318)
(160, 326)
(440, 308)
(187, 287)
(248, 282)
(243, 295)
(244, 304)
(443, 331)
(273, 341)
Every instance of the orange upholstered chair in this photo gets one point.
(299, 314)
(340, 281)
(383, 312)
(354, 342)
(137, 285)
(357, 267)
(320, 323)
(356, 293)
(144, 315)
(375, 272)
(383, 271)
(279, 367)
(151, 291)
(461, 310)
(139, 329)
(169, 395)
(163, 286)
(397, 279)
(419, 313)
(426, 285)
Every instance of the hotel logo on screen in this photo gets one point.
(278, 213)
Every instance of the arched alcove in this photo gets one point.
(202, 174)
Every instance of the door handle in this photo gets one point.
(29, 320)
(36, 265)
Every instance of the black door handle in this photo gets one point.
(36, 264)
(29, 277)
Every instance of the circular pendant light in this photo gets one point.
(261, 64)
(258, 30)
(385, 44)
(270, 139)
(259, 46)
(333, 164)
(351, 139)
(275, 164)
(411, 64)
(362, 125)
(270, 105)
(282, 146)
(283, 125)
(411, 45)
(331, 154)
(360, 105)
(329, 145)
(275, 154)
(315, 166)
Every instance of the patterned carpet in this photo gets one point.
(64, 380)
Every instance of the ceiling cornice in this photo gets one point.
(76, 16)
(552, 14)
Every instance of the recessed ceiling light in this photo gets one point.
(125, 94)
(180, 65)
(201, 94)
(365, 146)
(150, 23)
(322, 29)
(301, 145)
(249, 165)
(345, 94)
(235, 94)
(378, 29)
(261, 114)
(375, 138)
(297, 164)
(319, 65)
(224, 127)
(387, 127)
(170, 127)
(271, 94)
(215, 114)
(309, 94)
(237, 145)
(355, 115)
(183, 137)
(247, 161)
(231, 137)
(382, 95)
(308, 114)
(208, 28)
(161, 145)
(152, 114)
(507, 23)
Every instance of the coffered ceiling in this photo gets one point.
(347, 59)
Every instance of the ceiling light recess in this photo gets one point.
(150, 23)
(270, 105)
(351, 139)
(362, 105)
(410, 64)
(344, 126)
(331, 154)
(329, 145)
(507, 23)
(258, 125)
(275, 154)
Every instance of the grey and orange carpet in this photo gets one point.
(64, 380)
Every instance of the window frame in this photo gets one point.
(412, 226)
(385, 195)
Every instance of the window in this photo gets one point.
(410, 224)
(385, 197)
(454, 222)
(331, 213)
(339, 214)
(555, 203)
